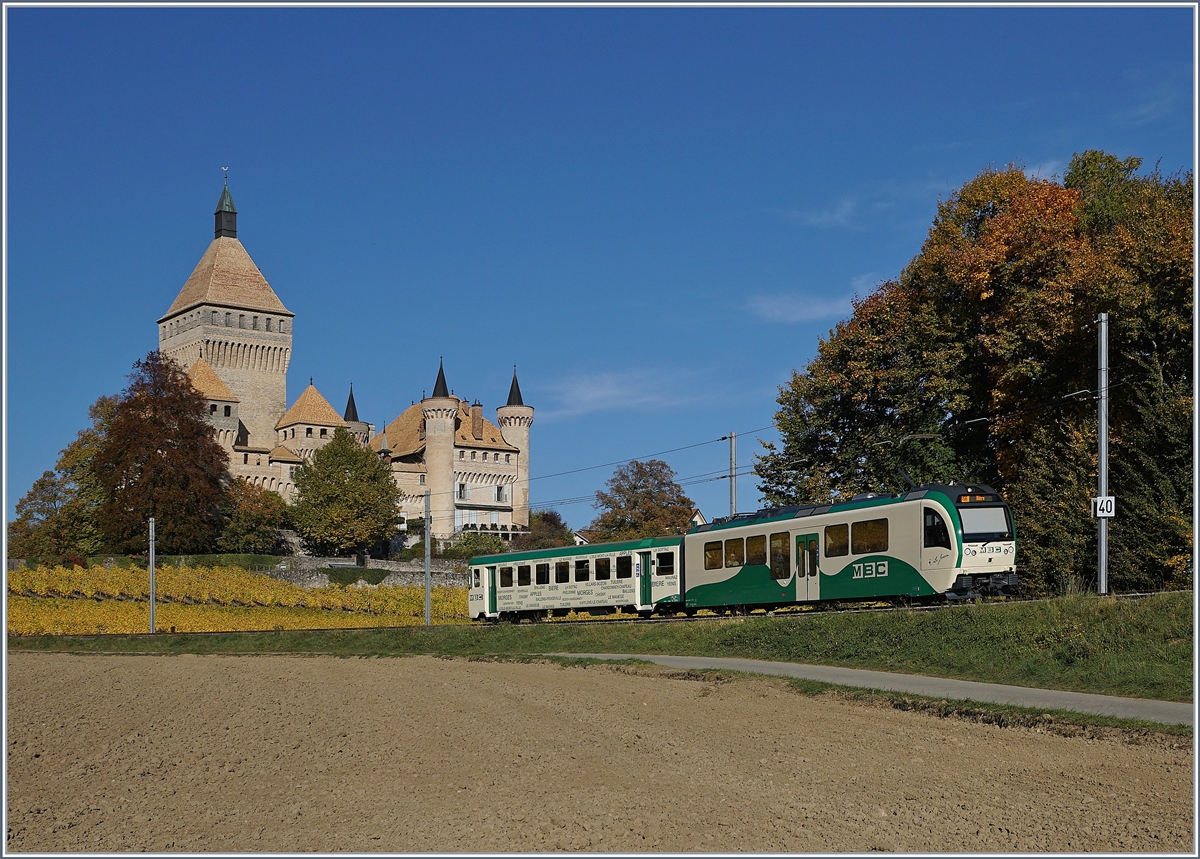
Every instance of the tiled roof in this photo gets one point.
(311, 408)
(208, 383)
(226, 275)
(404, 433)
(284, 454)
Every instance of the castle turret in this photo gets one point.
(439, 415)
(514, 419)
(361, 430)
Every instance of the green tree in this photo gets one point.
(159, 459)
(346, 500)
(978, 342)
(476, 543)
(547, 530)
(642, 500)
(59, 514)
(253, 517)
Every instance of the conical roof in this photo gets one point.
(227, 276)
(439, 387)
(225, 204)
(351, 409)
(514, 392)
(208, 383)
(311, 408)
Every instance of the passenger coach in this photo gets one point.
(936, 541)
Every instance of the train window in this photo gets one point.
(625, 567)
(476, 579)
(735, 552)
(666, 563)
(837, 540)
(583, 570)
(756, 550)
(562, 572)
(713, 556)
(936, 534)
(541, 574)
(814, 556)
(506, 577)
(869, 537)
(781, 556)
(603, 568)
(523, 575)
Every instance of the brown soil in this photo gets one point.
(283, 753)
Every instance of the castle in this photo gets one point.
(233, 335)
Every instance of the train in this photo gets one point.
(934, 542)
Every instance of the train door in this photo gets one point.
(645, 580)
(808, 556)
(937, 550)
(491, 590)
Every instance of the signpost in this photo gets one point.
(428, 572)
(152, 574)
(1103, 506)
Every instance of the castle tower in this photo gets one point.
(514, 419)
(439, 419)
(228, 315)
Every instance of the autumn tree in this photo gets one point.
(252, 518)
(547, 530)
(59, 514)
(159, 459)
(980, 341)
(642, 500)
(346, 500)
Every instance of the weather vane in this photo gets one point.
(225, 170)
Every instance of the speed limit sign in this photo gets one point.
(1104, 507)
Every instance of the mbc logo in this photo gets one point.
(871, 570)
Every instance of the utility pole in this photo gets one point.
(428, 546)
(1104, 503)
(733, 474)
(151, 574)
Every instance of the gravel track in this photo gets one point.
(313, 753)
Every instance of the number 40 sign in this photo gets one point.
(1104, 507)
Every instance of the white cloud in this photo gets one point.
(1045, 170)
(793, 307)
(840, 215)
(588, 393)
(1159, 103)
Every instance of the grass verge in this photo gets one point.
(1136, 648)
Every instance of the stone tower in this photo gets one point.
(514, 419)
(228, 315)
(439, 415)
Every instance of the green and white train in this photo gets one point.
(937, 541)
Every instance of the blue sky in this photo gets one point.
(655, 214)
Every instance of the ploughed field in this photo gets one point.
(317, 753)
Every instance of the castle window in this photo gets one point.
(268, 323)
(495, 457)
(472, 456)
(245, 459)
(462, 454)
(212, 408)
(464, 492)
(228, 320)
(324, 432)
(422, 479)
(308, 432)
(495, 518)
(508, 457)
(214, 317)
(228, 410)
(241, 320)
(254, 322)
(501, 493)
(473, 517)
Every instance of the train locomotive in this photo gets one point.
(934, 542)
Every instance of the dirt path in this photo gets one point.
(291, 754)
